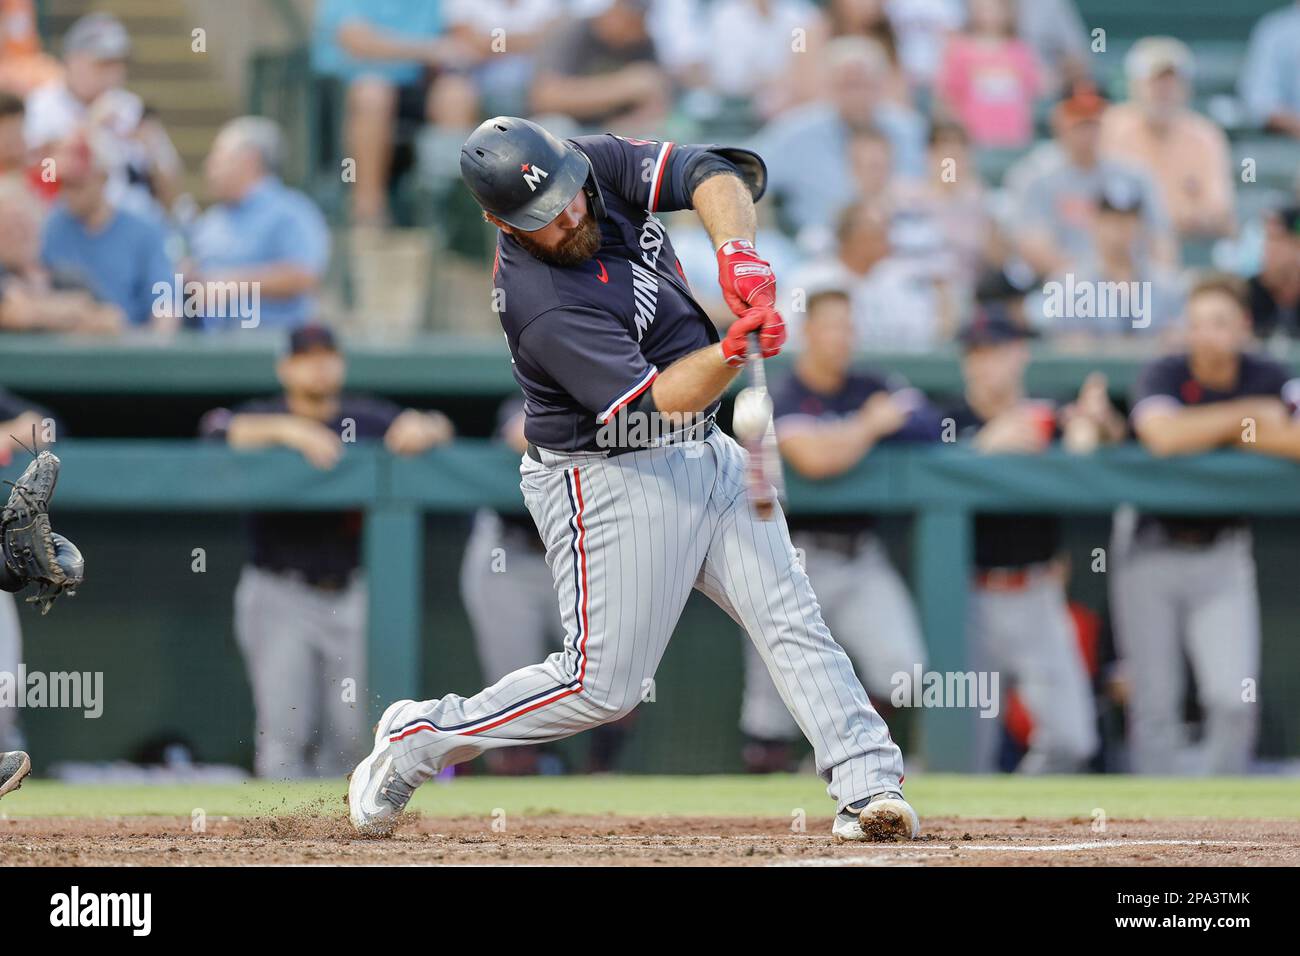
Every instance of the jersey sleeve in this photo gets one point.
(787, 415)
(655, 176)
(1158, 388)
(590, 355)
(11, 406)
(215, 424)
(1270, 377)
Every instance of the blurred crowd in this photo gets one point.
(928, 154)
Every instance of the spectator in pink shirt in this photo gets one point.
(989, 78)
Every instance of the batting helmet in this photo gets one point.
(523, 175)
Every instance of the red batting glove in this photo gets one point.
(766, 323)
(746, 278)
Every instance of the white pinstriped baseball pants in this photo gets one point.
(627, 539)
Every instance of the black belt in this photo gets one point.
(321, 582)
(1185, 536)
(847, 544)
(695, 433)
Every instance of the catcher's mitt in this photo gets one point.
(33, 553)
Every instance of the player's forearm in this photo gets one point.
(1281, 440)
(830, 450)
(258, 431)
(1192, 430)
(1285, 122)
(579, 96)
(278, 280)
(693, 383)
(726, 208)
(364, 42)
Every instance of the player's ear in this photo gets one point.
(488, 217)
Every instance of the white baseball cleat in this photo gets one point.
(14, 767)
(377, 794)
(884, 818)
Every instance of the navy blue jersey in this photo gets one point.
(796, 406)
(11, 406)
(589, 339)
(1168, 382)
(794, 403)
(323, 546)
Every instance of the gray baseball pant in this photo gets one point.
(1027, 637)
(868, 608)
(305, 649)
(11, 659)
(509, 596)
(1203, 601)
(627, 539)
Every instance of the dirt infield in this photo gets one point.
(326, 839)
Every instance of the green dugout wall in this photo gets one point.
(160, 631)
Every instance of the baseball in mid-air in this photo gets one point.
(752, 413)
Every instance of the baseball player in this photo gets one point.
(1185, 584)
(828, 418)
(34, 554)
(510, 600)
(300, 607)
(607, 341)
(1018, 619)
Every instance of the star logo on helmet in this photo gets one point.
(533, 175)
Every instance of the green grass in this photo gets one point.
(775, 796)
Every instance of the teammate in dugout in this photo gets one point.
(1018, 619)
(601, 324)
(828, 418)
(300, 606)
(1185, 584)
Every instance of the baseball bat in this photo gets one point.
(766, 484)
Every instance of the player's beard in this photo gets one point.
(574, 249)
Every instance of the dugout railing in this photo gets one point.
(941, 487)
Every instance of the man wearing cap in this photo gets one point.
(300, 608)
(638, 498)
(1055, 188)
(116, 253)
(829, 416)
(1185, 153)
(1183, 586)
(260, 234)
(1116, 292)
(91, 96)
(1018, 622)
(899, 303)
